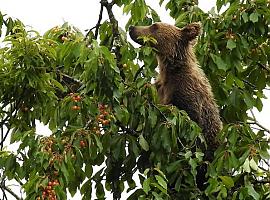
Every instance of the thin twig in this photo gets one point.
(138, 72)
(116, 42)
(250, 84)
(261, 181)
(264, 67)
(255, 122)
(152, 104)
(99, 21)
(4, 187)
(256, 128)
(69, 79)
(4, 137)
(267, 163)
(259, 125)
(113, 21)
(252, 113)
(126, 129)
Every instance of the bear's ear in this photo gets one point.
(191, 31)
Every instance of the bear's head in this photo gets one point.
(171, 41)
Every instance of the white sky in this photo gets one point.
(42, 15)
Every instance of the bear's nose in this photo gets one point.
(131, 28)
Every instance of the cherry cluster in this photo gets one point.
(75, 98)
(104, 117)
(49, 193)
(48, 143)
(83, 144)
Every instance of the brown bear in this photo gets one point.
(181, 81)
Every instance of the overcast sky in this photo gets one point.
(42, 15)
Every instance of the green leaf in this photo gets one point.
(244, 156)
(253, 164)
(160, 172)
(99, 144)
(181, 19)
(122, 114)
(231, 44)
(64, 170)
(146, 171)
(219, 62)
(127, 8)
(100, 191)
(252, 192)
(146, 185)
(246, 166)
(254, 17)
(199, 155)
(159, 187)
(135, 195)
(245, 17)
(10, 163)
(227, 181)
(161, 181)
(160, 2)
(57, 84)
(131, 185)
(88, 170)
(193, 165)
(188, 154)
(86, 188)
(259, 104)
(173, 166)
(166, 140)
(152, 117)
(233, 161)
(249, 100)
(265, 154)
(143, 143)
(157, 196)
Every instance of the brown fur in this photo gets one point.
(181, 82)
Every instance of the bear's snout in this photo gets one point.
(134, 35)
(131, 28)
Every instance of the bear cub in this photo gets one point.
(181, 81)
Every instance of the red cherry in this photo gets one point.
(82, 143)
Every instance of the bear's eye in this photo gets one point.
(154, 27)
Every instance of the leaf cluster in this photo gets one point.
(96, 96)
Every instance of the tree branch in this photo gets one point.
(99, 21)
(259, 125)
(116, 42)
(8, 117)
(162, 114)
(264, 67)
(113, 21)
(72, 83)
(263, 181)
(68, 79)
(126, 129)
(254, 121)
(3, 138)
(96, 27)
(261, 65)
(4, 187)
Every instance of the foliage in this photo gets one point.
(95, 94)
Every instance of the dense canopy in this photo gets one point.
(94, 92)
